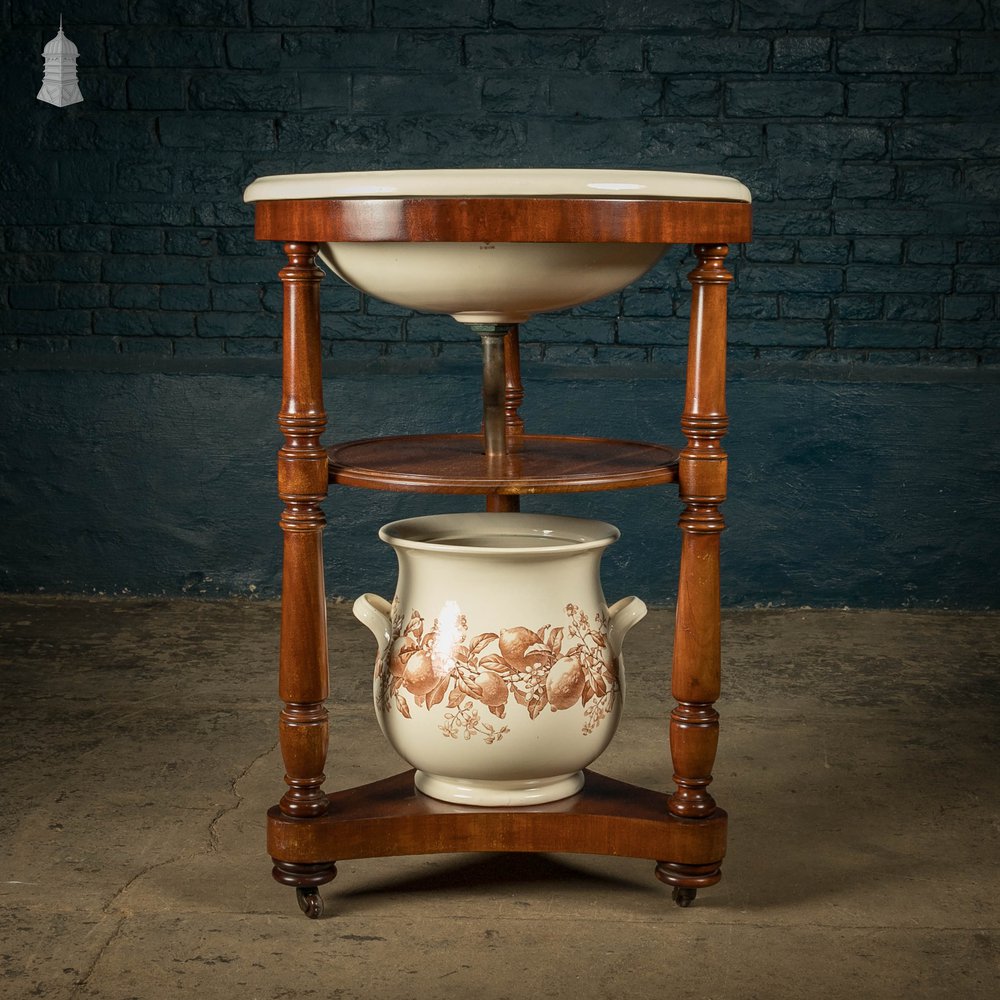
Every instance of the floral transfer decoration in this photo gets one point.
(549, 667)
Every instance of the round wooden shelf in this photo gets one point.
(456, 463)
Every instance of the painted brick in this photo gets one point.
(188, 347)
(818, 140)
(611, 52)
(875, 251)
(771, 251)
(350, 138)
(884, 334)
(685, 142)
(877, 181)
(515, 50)
(236, 325)
(782, 332)
(247, 92)
(968, 307)
(980, 182)
(977, 335)
(919, 308)
(824, 251)
(396, 50)
(47, 12)
(953, 98)
(978, 251)
(145, 178)
(647, 302)
(931, 251)
(746, 305)
(694, 54)
(791, 277)
(805, 306)
(869, 278)
(181, 48)
(310, 13)
(605, 96)
(76, 238)
(153, 268)
(693, 97)
(517, 94)
(252, 347)
(399, 95)
(156, 90)
(136, 323)
(193, 12)
(76, 267)
(858, 307)
(423, 138)
(976, 279)
(551, 13)
(798, 180)
(431, 13)
(39, 296)
(83, 296)
(31, 239)
(619, 355)
(802, 54)
(785, 14)
(880, 99)
(944, 140)
(928, 184)
(238, 298)
(325, 90)
(189, 298)
(94, 346)
(979, 55)
(136, 240)
(564, 328)
(911, 14)
(253, 50)
(192, 242)
(227, 132)
(135, 296)
(160, 346)
(895, 54)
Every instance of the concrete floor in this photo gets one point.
(858, 765)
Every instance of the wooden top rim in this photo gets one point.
(506, 219)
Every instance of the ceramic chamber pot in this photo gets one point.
(499, 670)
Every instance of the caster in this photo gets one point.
(310, 902)
(683, 896)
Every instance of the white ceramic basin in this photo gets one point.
(492, 282)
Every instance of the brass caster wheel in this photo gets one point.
(310, 902)
(683, 896)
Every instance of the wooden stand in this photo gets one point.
(684, 832)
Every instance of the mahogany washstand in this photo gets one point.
(683, 832)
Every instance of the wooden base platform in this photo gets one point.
(389, 818)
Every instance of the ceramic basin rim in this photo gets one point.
(577, 534)
(485, 182)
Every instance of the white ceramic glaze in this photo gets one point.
(493, 282)
(498, 183)
(499, 670)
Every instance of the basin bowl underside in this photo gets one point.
(486, 282)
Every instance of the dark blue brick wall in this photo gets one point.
(868, 131)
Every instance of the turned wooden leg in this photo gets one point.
(694, 722)
(513, 389)
(302, 485)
